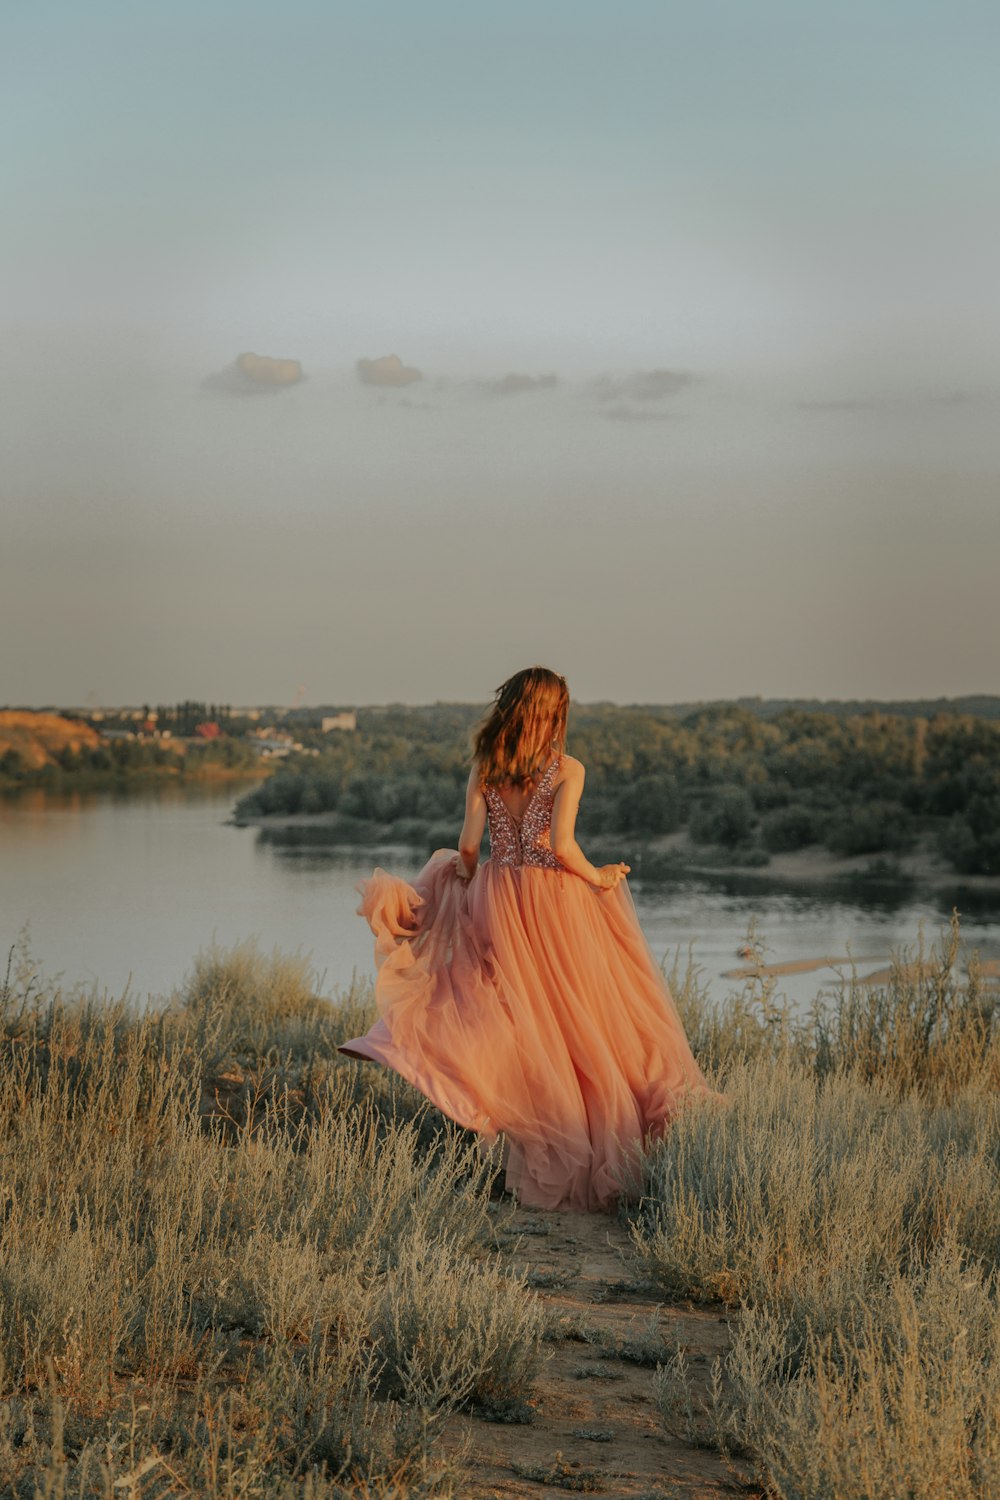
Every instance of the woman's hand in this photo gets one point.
(611, 875)
(461, 870)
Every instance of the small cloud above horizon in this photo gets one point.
(642, 385)
(388, 370)
(516, 384)
(254, 374)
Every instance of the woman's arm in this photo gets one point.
(471, 837)
(567, 851)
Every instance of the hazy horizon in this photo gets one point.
(306, 707)
(702, 306)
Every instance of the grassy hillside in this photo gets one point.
(39, 738)
(49, 751)
(235, 1264)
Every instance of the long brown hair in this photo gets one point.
(527, 722)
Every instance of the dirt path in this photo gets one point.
(596, 1427)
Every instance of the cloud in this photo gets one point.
(642, 385)
(387, 371)
(515, 385)
(251, 374)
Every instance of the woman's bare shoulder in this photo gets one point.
(570, 769)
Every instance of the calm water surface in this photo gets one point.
(124, 890)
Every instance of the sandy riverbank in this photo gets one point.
(815, 865)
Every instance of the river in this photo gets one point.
(122, 890)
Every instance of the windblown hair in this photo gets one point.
(524, 728)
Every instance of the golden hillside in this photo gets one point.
(38, 738)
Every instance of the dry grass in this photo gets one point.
(845, 1204)
(245, 1303)
(234, 1264)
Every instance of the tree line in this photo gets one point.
(738, 780)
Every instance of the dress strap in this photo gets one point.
(544, 774)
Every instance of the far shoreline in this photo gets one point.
(674, 857)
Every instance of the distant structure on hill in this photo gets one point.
(347, 720)
(271, 742)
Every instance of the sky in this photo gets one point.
(697, 324)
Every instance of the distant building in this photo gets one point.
(348, 720)
(271, 742)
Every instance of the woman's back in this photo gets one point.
(525, 838)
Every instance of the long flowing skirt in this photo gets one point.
(526, 1002)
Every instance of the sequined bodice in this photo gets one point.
(524, 840)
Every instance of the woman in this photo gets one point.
(521, 996)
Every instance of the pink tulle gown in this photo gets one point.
(527, 1002)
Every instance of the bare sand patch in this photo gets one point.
(989, 969)
(905, 971)
(816, 865)
(797, 966)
